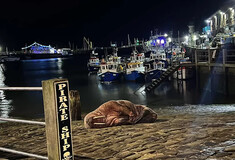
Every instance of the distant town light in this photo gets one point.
(186, 38)
(222, 13)
(162, 41)
(208, 21)
(169, 40)
(194, 37)
(165, 35)
(158, 41)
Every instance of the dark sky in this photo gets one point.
(60, 22)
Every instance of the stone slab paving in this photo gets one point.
(172, 137)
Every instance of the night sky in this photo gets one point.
(59, 22)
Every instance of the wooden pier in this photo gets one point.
(215, 58)
(217, 62)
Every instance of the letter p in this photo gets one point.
(61, 86)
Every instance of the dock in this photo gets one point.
(173, 136)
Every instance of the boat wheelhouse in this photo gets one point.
(137, 57)
(134, 69)
(110, 68)
(157, 56)
(157, 64)
(155, 69)
(93, 63)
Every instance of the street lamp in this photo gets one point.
(186, 38)
(169, 40)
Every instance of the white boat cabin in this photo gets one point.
(135, 66)
(158, 56)
(137, 57)
(94, 60)
(110, 67)
(156, 66)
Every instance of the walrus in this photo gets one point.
(120, 112)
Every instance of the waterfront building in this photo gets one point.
(222, 21)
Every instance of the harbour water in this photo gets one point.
(181, 95)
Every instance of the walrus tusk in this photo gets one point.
(99, 124)
(98, 117)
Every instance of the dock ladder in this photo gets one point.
(162, 78)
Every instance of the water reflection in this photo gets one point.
(93, 93)
(198, 109)
(5, 104)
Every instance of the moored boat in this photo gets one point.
(93, 63)
(110, 69)
(155, 69)
(9, 58)
(156, 66)
(135, 70)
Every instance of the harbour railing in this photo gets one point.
(214, 58)
(56, 100)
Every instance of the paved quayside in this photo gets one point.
(186, 135)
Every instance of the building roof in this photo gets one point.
(35, 44)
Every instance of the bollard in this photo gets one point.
(75, 105)
(57, 119)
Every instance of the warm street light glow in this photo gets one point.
(222, 13)
(158, 41)
(208, 21)
(186, 38)
(169, 40)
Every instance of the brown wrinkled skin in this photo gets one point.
(114, 113)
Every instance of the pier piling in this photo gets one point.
(75, 105)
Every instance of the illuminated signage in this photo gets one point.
(64, 122)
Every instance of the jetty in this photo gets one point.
(194, 135)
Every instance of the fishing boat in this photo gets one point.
(93, 63)
(110, 68)
(134, 69)
(9, 58)
(157, 65)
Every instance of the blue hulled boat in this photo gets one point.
(135, 70)
(156, 66)
(110, 69)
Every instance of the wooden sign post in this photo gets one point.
(57, 118)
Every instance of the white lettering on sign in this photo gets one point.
(64, 122)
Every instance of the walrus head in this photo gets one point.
(94, 120)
